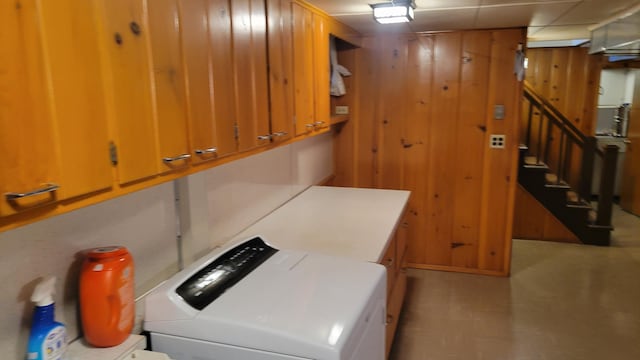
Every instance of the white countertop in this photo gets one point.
(79, 350)
(349, 222)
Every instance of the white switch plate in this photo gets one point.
(497, 141)
(342, 110)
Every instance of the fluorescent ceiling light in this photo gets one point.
(393, 12)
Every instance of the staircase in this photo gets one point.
(556, 167)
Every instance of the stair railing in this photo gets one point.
(556, 142)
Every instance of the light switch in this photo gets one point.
(498, 112)
(342, 110)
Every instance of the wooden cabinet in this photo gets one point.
(281, 97)
(250, 60)
(395, 262)
(311, 70)
(129, 88)
(169, 85)
(53, 130)
(206, 44)
(106, 97)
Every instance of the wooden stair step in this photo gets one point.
(551, 178)
(572, 197)
(532, 160)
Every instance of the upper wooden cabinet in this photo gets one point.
(281, 97)
(311, 69)
(129, 88)
(169, 84)
(250, 60)
(206, 44)
(53, 130)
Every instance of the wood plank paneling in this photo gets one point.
(471, 134)
(500, 165)
(443, 140)
(534, 222)
(426, 108)
(366, 151)
(416, 141)
(393, 109)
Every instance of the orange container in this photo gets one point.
(107, 306)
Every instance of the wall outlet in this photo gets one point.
(342, 110)
(497, 141)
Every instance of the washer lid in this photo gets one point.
(295, 303)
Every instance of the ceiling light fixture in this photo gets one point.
(396, 11)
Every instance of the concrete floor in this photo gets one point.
(562, 302)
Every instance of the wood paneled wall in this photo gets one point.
(569, 78)
(533, 221)
(425, 112)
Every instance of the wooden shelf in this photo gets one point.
(336, 119)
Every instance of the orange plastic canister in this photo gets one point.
(107, 306)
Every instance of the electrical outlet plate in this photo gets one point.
(497, 141)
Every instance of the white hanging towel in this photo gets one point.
(337, 72)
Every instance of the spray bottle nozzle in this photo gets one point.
(43, 293)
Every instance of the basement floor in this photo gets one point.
(562, 302)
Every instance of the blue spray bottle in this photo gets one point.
(48, 338)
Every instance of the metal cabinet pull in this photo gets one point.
(169, 160)
(280, 133)
(50, 187)
(264, 137)
(308, 126)
(206, 151)
(318, 123)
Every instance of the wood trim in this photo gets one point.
(457, 269)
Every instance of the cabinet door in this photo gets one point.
(303, 68)
(280, 69)
(224, 101)
(70, 34)
(129, 85)
(26, 144)
(169, 85)
(250, 58)
(197, 60)
(321, 71)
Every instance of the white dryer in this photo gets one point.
(250, 301)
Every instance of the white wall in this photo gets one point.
(214, 205)
(616, 87)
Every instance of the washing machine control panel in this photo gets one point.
(216, 277)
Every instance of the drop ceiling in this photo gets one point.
(546, 19)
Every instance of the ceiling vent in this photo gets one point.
(618, 36)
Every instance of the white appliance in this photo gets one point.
(253, 302)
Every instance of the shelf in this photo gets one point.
(336, 119)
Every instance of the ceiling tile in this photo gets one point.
(594, 11)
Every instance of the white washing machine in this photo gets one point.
(250, 301)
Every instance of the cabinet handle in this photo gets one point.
(309, 126)
(318, 123)
(169, 160)
(50, 187)
(206, 151)
(280, 133)
(389, 319)
(389, 262)
(264, 137)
